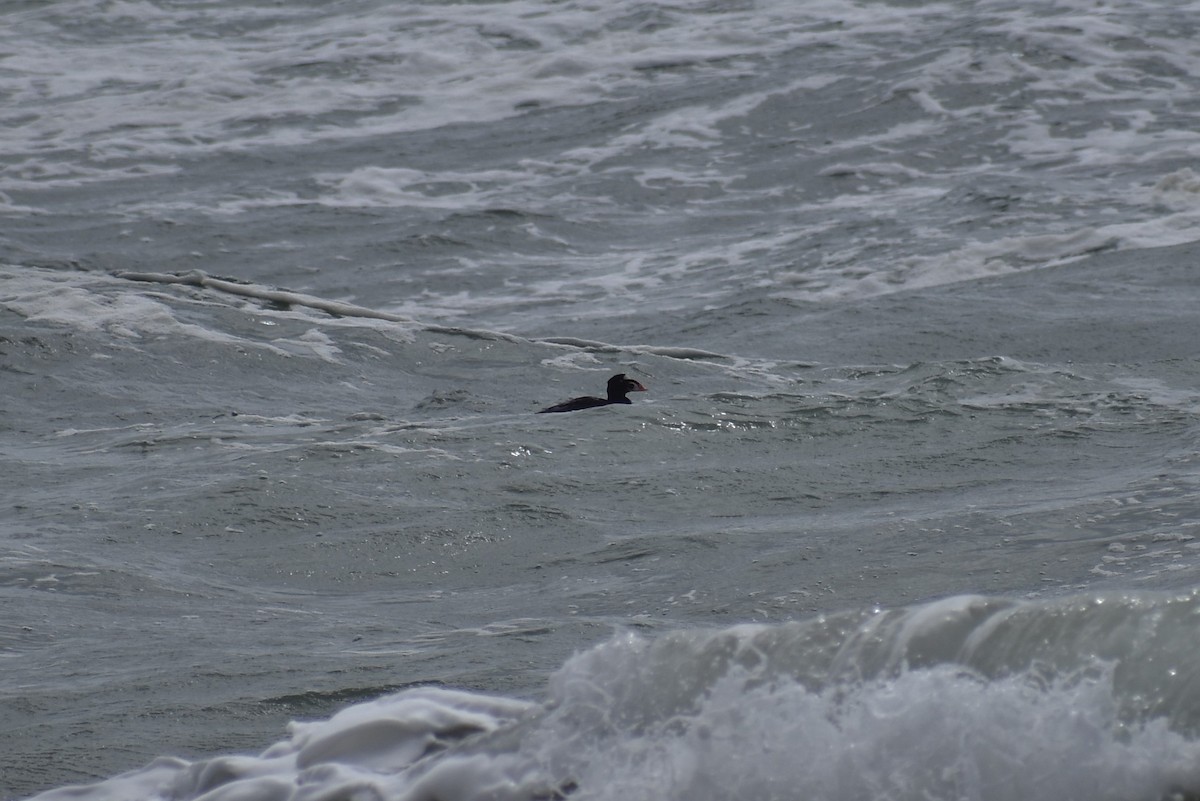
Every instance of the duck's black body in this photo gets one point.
(619, 388)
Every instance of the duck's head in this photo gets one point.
(620, 385)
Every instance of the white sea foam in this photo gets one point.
(317, 342)
(401, 186)
(118, 306)
(442, 63)
(91, 302)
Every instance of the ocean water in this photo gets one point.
(910, 509)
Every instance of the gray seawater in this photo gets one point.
(913, 289)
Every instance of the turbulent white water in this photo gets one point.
(967, 698)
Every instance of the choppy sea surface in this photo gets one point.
(909, 510)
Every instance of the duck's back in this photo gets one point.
(575, 404)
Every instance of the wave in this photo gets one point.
(49, 296)
(1087, 697)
